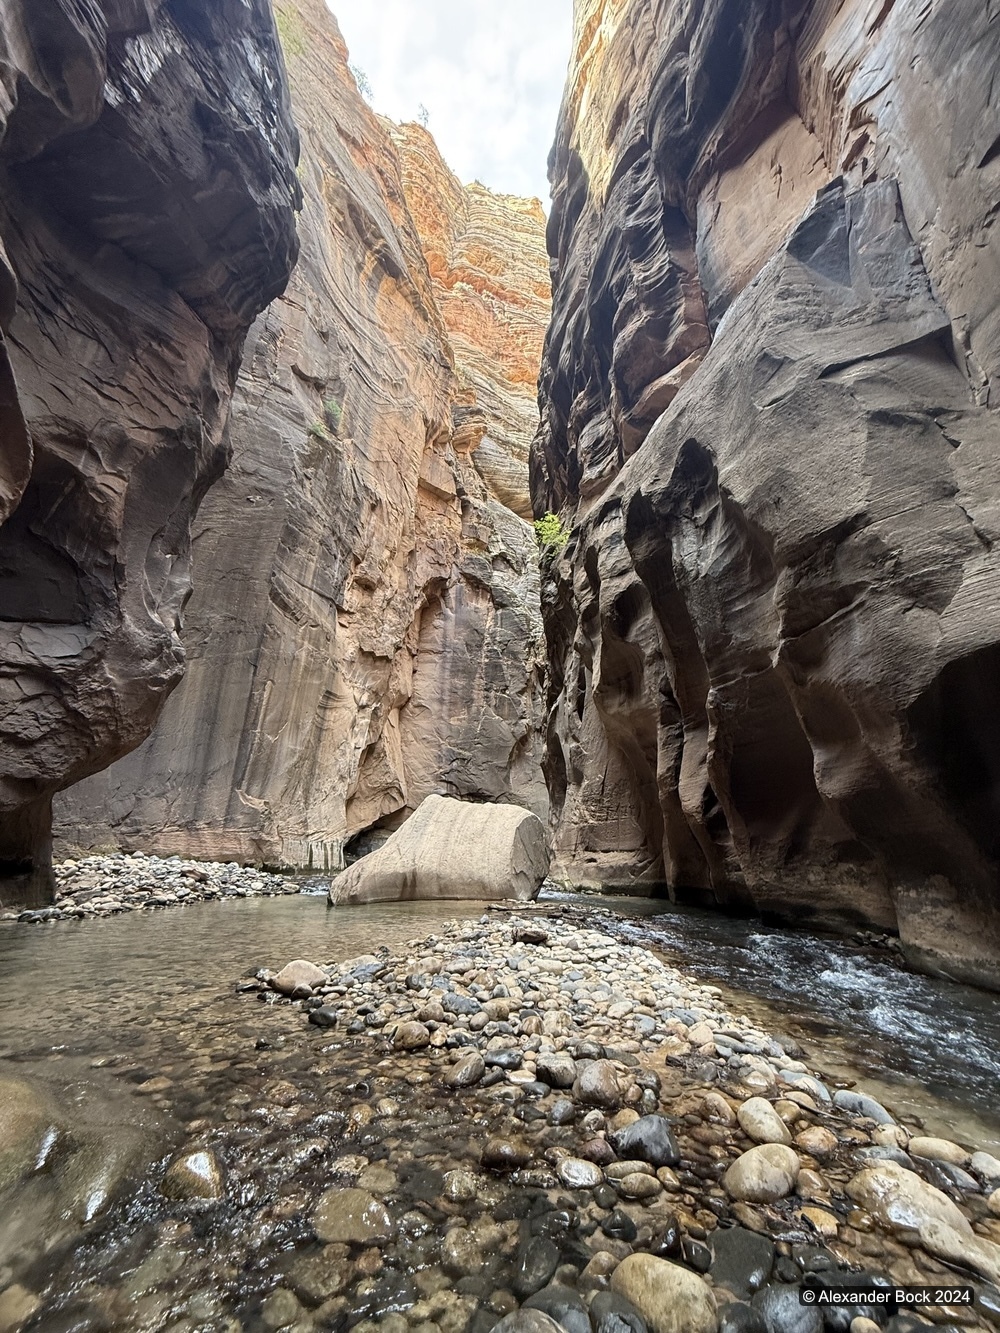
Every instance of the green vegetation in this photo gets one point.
(361, 79)
(333, 414)
(551, 534)
(291, 32)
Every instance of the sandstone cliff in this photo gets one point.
(490, 270)
(365, 626)
(769, 410)
(147, 191)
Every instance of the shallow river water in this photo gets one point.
(133, 1020)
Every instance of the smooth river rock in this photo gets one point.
(763, 1174)
(938, 1150)
(452, 849)
(671, 1299)
(648, 1139)
(599, 1085)
(901, 1199)
(299, 972)
(760, 1121)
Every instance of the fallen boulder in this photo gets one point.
(452, 849)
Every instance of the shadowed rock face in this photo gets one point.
(365, 627)
(768, 408)
(147, 191)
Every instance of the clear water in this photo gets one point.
(157, 983)
(927, 1047)
(96, 1008)
(90, 987)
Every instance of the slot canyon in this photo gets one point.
(546, 641)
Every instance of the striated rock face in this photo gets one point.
(365, 628)
(490, 272)
(768, 406)
(147, 191)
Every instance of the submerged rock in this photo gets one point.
(194, 1175)
(353, 1217)
(527, 1321)
(27, 1118)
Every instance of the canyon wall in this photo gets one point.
(769, 400)
(147, 196)
(365, 625)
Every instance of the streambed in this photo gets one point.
(143, 1008)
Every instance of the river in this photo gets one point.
(133, 1021)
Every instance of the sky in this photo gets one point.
(489, 72)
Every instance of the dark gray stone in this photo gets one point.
(783, 1312)
(742, 1260)
(649, 1139)
(536, 1262)
(611, 1313)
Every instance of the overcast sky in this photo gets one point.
(489, 72)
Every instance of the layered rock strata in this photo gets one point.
(769, 413)
(490, 272)
(365, 628)
(147, 196)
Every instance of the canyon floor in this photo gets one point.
(486, 1118)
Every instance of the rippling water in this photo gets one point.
(95, 1009)
(930, 1047)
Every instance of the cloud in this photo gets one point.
(490, 75)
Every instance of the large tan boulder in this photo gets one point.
(452, 849)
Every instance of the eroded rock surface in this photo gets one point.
(452, 849)
(490, 272)
(365, 627)
(147, 195)
(768, 405)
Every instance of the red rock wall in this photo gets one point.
(365, 627)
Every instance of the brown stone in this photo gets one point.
(147, 216)
(452, 849)
(774, 631)
(411, 1037)
(299, 972)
